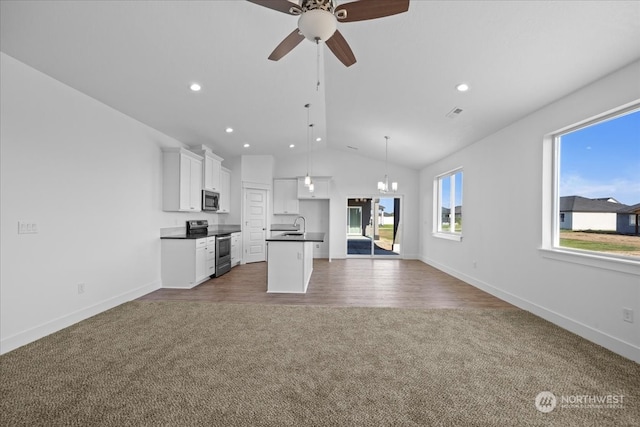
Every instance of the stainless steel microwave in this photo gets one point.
(210, 200)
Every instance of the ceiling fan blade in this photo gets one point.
(371, 9)
(286, 45)
(341, 49)
(283, 6)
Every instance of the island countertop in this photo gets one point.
(306, 237)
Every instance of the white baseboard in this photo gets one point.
(607, 341)
(25, 337)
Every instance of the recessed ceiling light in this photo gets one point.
(228, 130)
(318, 139)
(292, 145)
(247, 145)
(462, 87)
(195, 87)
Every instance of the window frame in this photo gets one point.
(437, 213)
(550, 247)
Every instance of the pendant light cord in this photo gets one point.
(318, 64)
(307, 106)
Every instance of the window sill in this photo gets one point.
(623, 265)
(448, 236)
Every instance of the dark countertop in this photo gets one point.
(284, 227)
(307, 237)
(213, 231)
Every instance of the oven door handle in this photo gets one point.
(224, 237)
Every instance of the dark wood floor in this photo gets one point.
(350, 282)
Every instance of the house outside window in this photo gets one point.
(595, 187)
(448, 203)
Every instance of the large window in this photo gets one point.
(597, 195)
(448, 202)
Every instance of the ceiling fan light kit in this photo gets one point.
(319, 19)
(317, 25)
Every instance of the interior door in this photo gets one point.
(255, 224)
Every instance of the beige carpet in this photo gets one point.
(204, 364)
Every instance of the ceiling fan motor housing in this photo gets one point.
(328, 5)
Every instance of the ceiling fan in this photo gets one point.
(318, 21)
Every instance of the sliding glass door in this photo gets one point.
(373, 227)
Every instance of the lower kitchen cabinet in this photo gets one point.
(236, 249)
(187, 262)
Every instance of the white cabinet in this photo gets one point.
(285, 197)
(212, 167)
(187, 262)
(182, 180)
(210, 259)
(201, 260)
(289, 266)
(225, 191)
(320, 191)
(236, 249)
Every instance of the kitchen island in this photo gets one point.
(290, 261)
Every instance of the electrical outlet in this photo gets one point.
(27, 227)
(317, 245)
(475, 264)
(80, 288)
(627, 315)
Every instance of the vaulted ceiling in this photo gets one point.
(140, 57)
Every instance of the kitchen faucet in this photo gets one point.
(304, 223)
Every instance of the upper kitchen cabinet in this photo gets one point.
(225, 191)
(182, 180)
(285, 197)
(212, 167)
(320, 191)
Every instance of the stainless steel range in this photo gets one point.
(223, 254)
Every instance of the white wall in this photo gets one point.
(505, 170)
(91, 178)
(356, 176)
(594, 221)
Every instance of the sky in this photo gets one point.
(603, 160)
(387, 202)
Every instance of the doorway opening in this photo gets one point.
(373, 227)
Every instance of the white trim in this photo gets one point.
(594, 259)
(451, 172)
(30, 335)
(610, 342)
(256, 185)
(448, 236)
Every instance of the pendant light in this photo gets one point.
(307, 178)
(311, 186)
(383, 186)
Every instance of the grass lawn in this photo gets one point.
(596, 246)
